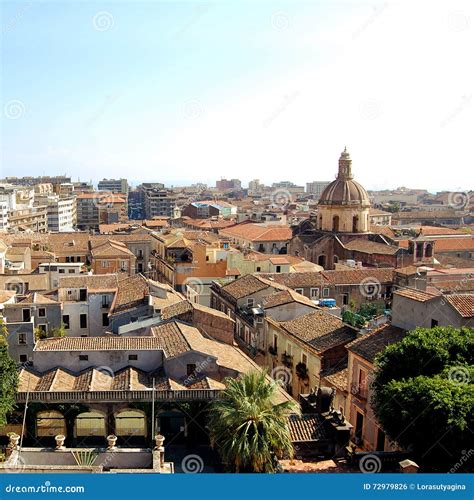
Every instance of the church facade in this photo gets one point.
(340, 229)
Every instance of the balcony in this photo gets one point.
(287, 359)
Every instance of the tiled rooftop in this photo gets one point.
(463, 303)
(369, 345)
(319, 329)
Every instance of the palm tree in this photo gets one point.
(248, 427)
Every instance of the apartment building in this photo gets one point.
(113, 185)
(157, 201)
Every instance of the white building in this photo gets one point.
(61, 214)
(56, 270)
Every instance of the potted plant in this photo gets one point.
(302, 371)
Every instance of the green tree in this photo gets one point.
(424, 394)
(8, 377)
(248, 427)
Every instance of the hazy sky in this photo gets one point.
(184, 92)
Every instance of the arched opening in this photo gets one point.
(429, 250)
(355, 224)
(130, 422)
(335, 223)
(322, 261)
(90, 424)
(419, 250)
(50, 423)
(335, 259)
(320, 222)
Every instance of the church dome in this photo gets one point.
(345, 190)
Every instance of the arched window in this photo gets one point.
(429, 250)
(50, 423)
(90, 423)
(322, 261)
(335, 223)
(355, 224)
(130, 423)
(320, 222)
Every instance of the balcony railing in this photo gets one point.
(119, 396)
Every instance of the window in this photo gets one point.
(105, 263)
(22, 338)
(434, 323)
(314, 292)
(62, 271)
(275, 342)
(250, 302)
(133, 357)
(130, 423)
(289, 349)
(299, 290)
(91, 423)
(83, 357)
(124, 265)
(345, 299)
(105, 301)
(362, 383)
(23, 358)
(26, 313)
(105, 319)
(140, 254)
(42, 312)
(190, 369)
(258, 269)
(67, 325)
(278, 269)
(50, 423)
(83, 320)
(83, 294)
(325, 292)
(71, 271)
(304, 358)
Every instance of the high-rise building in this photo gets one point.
(316, 188)
(113, 185)
(156, 200)
(225, 184)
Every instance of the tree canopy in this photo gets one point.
(248, 426)
(424, 394)
(8, 377)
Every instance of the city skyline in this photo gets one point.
(147, 93)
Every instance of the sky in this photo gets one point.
(183, 92)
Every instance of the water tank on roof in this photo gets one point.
(327, 302)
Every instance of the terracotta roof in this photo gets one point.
(36, 298)
(385, 230)
(171, 338)
(285, 297)
(132, 291)
(369, 345)
(126, 379)
(246, 285)
(463, 303)
(306, 427)
(319, 329)
(454, 244)
(418, 295)
(98, 344)
(110, 248)
(258, 232)
(357, 276)
(90, 281)
(433, 230)
(371, 247)
(337, 377)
